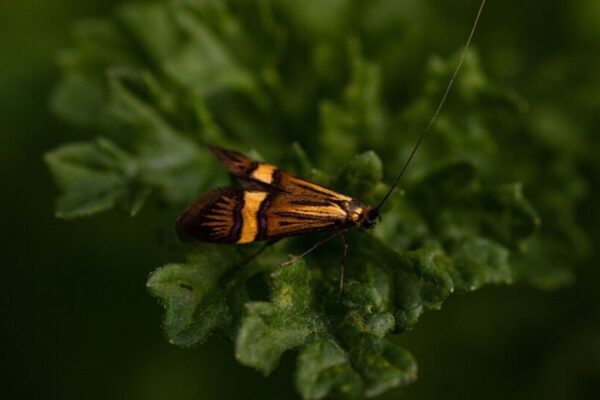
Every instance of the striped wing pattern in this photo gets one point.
(288, 215)
(273, 204)
(215, 217)
(267, 174)
(238, 216)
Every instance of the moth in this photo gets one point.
(273, 204)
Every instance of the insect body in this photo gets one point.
(270, 205)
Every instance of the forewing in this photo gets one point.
(236, 163)
(291, 214)
(272, 176)
(272, 204)
(216, 217)
(230, 215)
(290, 183)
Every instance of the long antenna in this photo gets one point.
(439, 107)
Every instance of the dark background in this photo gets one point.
(77, 321)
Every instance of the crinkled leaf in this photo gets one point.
(99, 176)
(365, 318)
(423, 282)
(361, 177)
(480, 261)
(170, 162)
(456, 203)
(184, 49)
(324, 369)
(81, 96)
(359, 120)
(195, 302)
(383, 365)
(95, 177)
(269, 329)
(509, 216)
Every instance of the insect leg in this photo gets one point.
(314, 247)
(343, 265)
(263, 248)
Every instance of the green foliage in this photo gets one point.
(268, 329)
(158, 81)
(195, 302)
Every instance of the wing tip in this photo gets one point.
(189, 225)
(219, 152)
(222, 153)
(185, 224)
(214, 148)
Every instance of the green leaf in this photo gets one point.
(383, 365)
(359, 119)
(362, 176)
(510, 218)
(456, 204)
(95, 177)
(100, 176)
(169, 161)
(269, 329)
(82, 94)
(195, 303)
(184, 49)
(479, 262)
(324, 370)
(423, 282)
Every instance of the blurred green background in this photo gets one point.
(79, 323)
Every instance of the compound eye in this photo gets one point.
(374, 215)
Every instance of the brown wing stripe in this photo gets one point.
(324, 192)
(311, 217)
(261, 216)
(236, 230)
(315, 203)
(252, 167)
(297, 229)
(276, 178)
